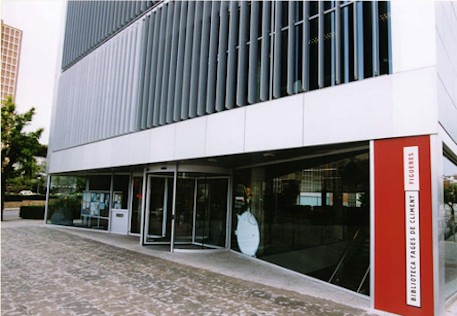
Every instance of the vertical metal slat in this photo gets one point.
(291, 50)
(277, 51)
(204, 54)
(212, 58)
(222, 58)
(265, 51)
(253, 53)
(241, 93)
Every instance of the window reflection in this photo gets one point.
(313, 216)
(450, 223)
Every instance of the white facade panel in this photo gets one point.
(162, 142)
(413, 105)
(413, 35)
(225, 132)
(275, 124)
(397, 105)
(190, 141)
(446, 47)
(351, 112)
(389, 106)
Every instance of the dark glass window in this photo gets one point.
(285, 13)
(384, 37)
(313, 216)
(450, 224)
(313, 8)
(120, 191)
(102, 183)
(298, 63)
(367, 40)
(329, 5)
(284, 57)
(329, 49)
(313, 54)
(347, 44)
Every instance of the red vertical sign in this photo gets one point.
(403, 271)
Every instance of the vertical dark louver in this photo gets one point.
(90, 23)
(134, 65)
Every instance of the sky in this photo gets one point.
(41, 22)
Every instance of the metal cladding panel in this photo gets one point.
(166, 66)
(150, 71)
(180, 62)
(265, 52)
(195, 69)
(232, 52)
(170, 103)
(253, 53)
(90, 23)
(277, 51)
(187, 61)
(130, 66)
(212, 58)
(241, 91)
(160, 66)
(204, 56)
(222, 57)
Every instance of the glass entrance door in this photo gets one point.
(187, 210)
(159, 204)
(201, 212)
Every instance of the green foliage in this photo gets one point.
(450, 199)
(18, 147)
(62, 209)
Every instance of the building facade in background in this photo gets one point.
(11, 53)
(317, 136)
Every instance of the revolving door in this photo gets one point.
(187, 210)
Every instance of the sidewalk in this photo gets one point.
(47, 271)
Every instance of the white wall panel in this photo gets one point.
(398, 105)
(190, 138)
(275, 124)
(413, 35)
(389, 106)
(225, 132)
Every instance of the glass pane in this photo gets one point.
(367, 40)
(160, 206)
(211, 212)
(65, 200)
(384, 37)
(347, 44)
(329, 49)
(120, 191)
(312, 217)
(135, 223)
(185, 193)
(450, 231)
(313, 54)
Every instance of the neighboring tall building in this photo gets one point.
(312, 135)
(11, 53)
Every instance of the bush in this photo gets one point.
(31, 212)
(18, 198)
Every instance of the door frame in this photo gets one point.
(175, 168)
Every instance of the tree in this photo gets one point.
(19, 148)
(450, 200)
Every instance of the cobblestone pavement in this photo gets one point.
(50, 272)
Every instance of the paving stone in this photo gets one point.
(50, 272)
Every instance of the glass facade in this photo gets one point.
(310, 216)
(450, 224)
(86, 201)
